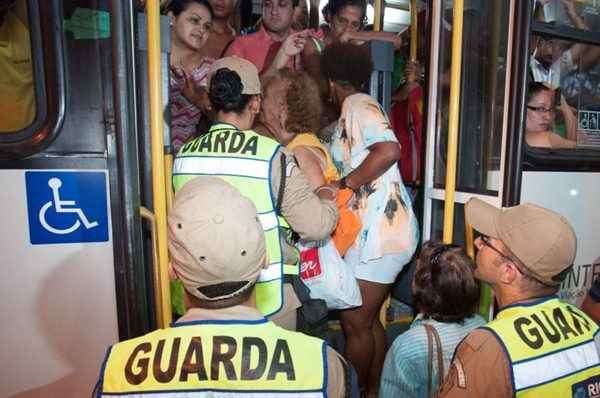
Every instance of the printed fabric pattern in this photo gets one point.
(184, 115)
(389, 226)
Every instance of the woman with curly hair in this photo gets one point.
(446, 295)
(365, 151)
(291, 111)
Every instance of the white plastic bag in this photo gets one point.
(326, 274)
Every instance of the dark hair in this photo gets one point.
(535, 88)
(347, 64)
(303, 101)
(444, 287)
(179, 6)
(240, 293)
(225, 91)
(333, 7)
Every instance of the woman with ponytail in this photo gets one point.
(264, 172)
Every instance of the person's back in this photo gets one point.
(446, 295)
(222, 346)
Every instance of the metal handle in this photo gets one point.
(149, 216)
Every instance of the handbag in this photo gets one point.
(432, 334)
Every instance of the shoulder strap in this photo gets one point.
(433, 334)
(281, 184)
(429, 357)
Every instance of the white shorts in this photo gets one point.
(380, 270)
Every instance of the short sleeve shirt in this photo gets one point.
(389, 225)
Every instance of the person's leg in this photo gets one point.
(380, 339)
(358, 324)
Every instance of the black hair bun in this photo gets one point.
(225, 89)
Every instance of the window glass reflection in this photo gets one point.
(580, 14)
(17, 94)
(485, 40)
(563, 102)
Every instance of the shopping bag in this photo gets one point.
(327, 276)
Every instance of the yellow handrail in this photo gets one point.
(413, 30)
(377, 22)
(455, 75)
(158, 163)
(149, 216)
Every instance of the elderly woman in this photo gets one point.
(290, 112)
(365, 151)
(446, 296)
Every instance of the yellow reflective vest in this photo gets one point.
(217, 358)
(551, 349)
(244, 159)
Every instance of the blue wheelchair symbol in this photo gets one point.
(66, 207)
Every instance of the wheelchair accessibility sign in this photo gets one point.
(66, 207)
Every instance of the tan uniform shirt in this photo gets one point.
(480, 368)
(312, 218)
(336, 374)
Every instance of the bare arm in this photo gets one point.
(382, 156)
(362, 36)
(570, 119)
(292, 46)
(310, 165)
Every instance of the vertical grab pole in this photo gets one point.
(377, 20)
(413, 30)
(455, 73)
(158, 162)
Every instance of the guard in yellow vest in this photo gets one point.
(222, 346)
(537, 346)
(262, 171)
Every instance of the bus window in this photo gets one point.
(563, 98)
(482, 97)
(17, 91)
(580, 14)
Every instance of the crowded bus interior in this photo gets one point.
(343, 198)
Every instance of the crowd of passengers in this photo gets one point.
(263, 98)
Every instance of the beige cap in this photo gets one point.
(215, 236)
(543, 240)
(244, 68)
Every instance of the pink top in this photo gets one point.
(184, 115)
(257, 48)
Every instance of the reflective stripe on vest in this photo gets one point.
(254, 358)
(242, 158)
(550, 346)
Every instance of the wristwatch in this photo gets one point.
(343, 184)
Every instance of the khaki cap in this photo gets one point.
(215, 236)
(244, 68)
(543, 240)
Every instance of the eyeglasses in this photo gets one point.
(540, 109)
(486, 241)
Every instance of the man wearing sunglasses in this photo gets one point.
(537, 346)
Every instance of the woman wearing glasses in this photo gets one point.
(446, 295)
(540, 119)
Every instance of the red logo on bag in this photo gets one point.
(310, 266)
